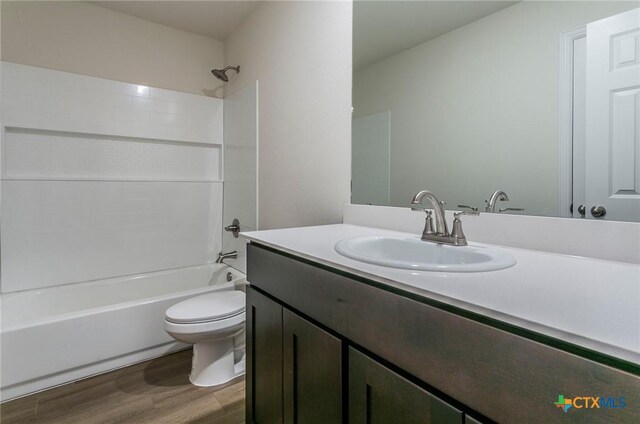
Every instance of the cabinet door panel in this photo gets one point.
(312, 373)
(264, 359)
(377, 395)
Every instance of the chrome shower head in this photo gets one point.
(221, 74)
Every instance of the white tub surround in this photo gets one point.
(43, 99)
(589, 303)
(103, 178)
(241, 169)
(104, 185)
(55, 335)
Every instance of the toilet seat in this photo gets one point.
(207, 308)
(211, 330)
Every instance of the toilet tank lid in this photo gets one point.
(207, 307)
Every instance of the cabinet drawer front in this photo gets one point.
(474, 363)
(377, 395)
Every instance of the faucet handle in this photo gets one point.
(459, 239)
(428, 225)
(473, 209)
(457, 215)
(510, 210)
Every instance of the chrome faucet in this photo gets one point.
(491, 203)
(229, 255)
(440, 233)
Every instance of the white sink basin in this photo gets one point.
(415, 254)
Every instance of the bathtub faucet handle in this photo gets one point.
(229, 255)
(234, 228)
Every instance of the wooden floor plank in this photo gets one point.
(154, 392)
(19, 410)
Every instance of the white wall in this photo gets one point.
(476, 109)
(102, 178)
(300, 52)
(83, 38)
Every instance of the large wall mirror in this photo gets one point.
(539, 99)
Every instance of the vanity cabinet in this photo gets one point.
(294, 372)
(295, 375)
(264, 394)
(378, 395)
(312, 373)
(326, 345)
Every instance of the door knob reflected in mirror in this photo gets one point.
(598, 211)
(582, 210)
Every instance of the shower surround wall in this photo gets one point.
(103, 179)
(241, 178)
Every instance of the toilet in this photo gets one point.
(214, 324)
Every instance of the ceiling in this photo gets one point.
(384, 28)
(215, 19)
(380, 28)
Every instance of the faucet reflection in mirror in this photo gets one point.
(502, 196)
(491, 202)
(440, 233)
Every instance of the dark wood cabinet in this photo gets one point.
(294, 368)
(471, 420)
(312, 373)
(264, 359)
(378, 395)
(467, 360)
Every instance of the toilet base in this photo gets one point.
(214, 364)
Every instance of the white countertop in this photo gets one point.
(588, 302)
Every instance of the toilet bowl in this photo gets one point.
(214, 324)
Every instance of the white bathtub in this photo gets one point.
(56, 335)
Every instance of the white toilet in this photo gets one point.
(214, 324)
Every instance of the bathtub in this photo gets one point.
(57, 335)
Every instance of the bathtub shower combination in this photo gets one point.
(111, 212)
(55, 335)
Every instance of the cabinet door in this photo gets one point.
(312, 373)
(264, 359)
(377, 395)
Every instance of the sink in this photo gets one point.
(415, 254)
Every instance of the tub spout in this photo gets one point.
(228, 255)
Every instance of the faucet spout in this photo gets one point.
(228, 255)
(438, 208)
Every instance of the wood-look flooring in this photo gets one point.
(156, 391)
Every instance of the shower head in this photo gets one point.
(221, 74)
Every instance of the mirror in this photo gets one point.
(468, 97)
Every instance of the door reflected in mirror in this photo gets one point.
(540, 100)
